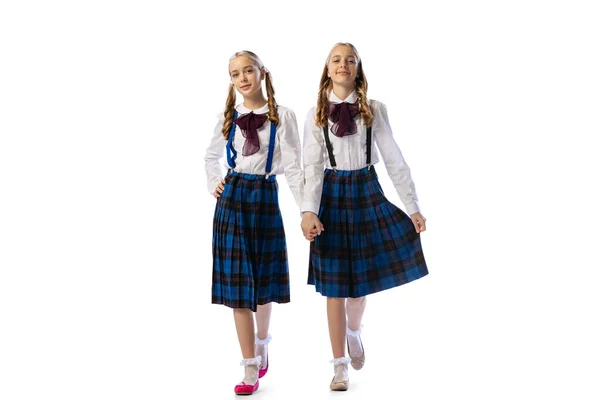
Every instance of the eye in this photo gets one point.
(234, 75)
(351, 61)
(336, 61)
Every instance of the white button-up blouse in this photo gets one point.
(286, 155)
(350, 154)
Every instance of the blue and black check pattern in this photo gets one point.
(249, 250)
(368, 245)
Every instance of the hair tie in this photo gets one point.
(266, 70)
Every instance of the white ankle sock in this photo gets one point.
(340, 369)
(354, 343)
(251, 366)
(261, 349)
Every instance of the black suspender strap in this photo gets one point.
(329, 148)
(369, 147)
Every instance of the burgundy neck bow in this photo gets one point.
(249, 124)
(342, 115)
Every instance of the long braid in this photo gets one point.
(323, 101)
(273, 115)
(229, 111)
(361, 93)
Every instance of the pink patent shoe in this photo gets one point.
(250, 383)
(244, 389)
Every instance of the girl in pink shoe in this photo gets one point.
(250, 268)
(360, 242)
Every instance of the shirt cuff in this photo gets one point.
(308, 206)
(412, 208)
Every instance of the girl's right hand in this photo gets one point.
(219, 190)
(311, 225)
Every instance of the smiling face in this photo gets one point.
(342, 66)
(246, 76)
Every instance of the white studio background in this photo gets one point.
(106, 109)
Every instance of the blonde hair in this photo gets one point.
(230, 103)
(360, 84)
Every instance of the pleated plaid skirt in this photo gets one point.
(249, 250)
(368, 245)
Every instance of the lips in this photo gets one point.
(245, 87)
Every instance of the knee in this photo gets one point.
(357, 302)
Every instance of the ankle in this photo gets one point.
(251, 366)
(261, 342)
(355, 333)
(246, 362)
(340, 361)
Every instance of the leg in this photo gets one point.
(263, 319)
(355, 309)
(336, 317)
(244, 324)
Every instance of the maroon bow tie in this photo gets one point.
(249, 124)
(342, 115)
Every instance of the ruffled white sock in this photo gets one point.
(251, 366)
(340, 368)
(354, 344)
(266, 340)
(261, 349)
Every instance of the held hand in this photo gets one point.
(311, 226)
(419, 221)
(219, 190)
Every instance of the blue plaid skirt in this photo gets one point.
(249, 250)
(368, 244)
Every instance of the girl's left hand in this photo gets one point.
(311, 226)
(419, 221)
